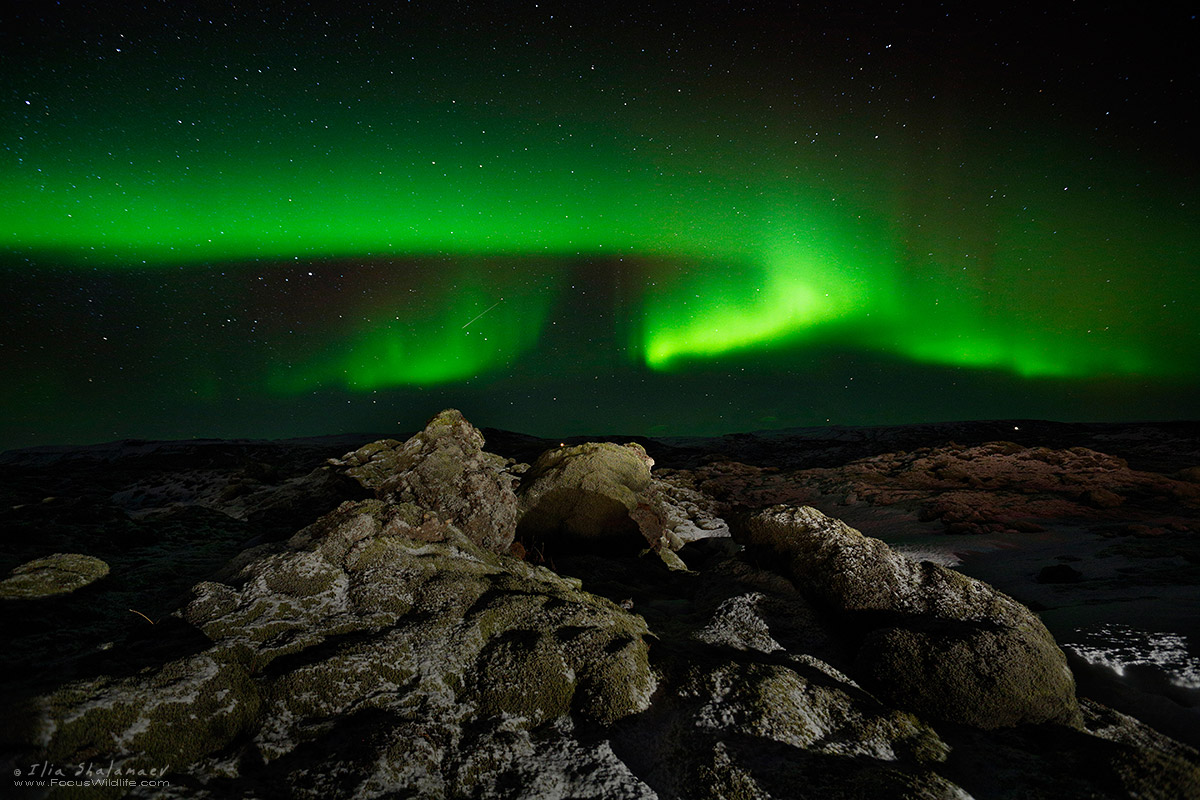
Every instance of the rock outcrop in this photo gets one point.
(930, 639)
(397, 646)
(585, 495)
(444, 467)
(381, 623)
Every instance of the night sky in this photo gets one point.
(294, 219)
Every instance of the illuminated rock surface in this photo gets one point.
(60, 573)
(931, 639)
(443, 468)
(381, 649)
(585, 493)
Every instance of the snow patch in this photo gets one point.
(1123, 649)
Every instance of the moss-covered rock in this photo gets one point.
(972, 674)
(585, 494)
(56, 574)
(376, 613)
(524, 674)
(601, 645)
(932, 639)
(443, 468)
(174, 715)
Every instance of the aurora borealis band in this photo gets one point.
(233, 222)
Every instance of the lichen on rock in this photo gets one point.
(929, 638)
(60, 573)
(396, 647)
(443, 468)
(586, 493)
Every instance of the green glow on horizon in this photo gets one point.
(775, 235)
(1033, 358)
(475, 323)
(719, 309)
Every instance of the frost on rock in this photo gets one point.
(379, 618)
(396, 647)
(929, 639)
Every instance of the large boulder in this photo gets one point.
(444, 467)
(586, 495)
(929, 639)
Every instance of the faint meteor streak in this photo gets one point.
(489, 308)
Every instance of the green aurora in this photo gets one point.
(1051, 285)
(762, 224)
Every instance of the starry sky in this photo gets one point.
(285, 219)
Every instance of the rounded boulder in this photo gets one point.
(585, 494)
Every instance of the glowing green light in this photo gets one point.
(774, 240)
(718, 312)
(799, 284)
(1030, 359)
(482, 321)
(722, 326)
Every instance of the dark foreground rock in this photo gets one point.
(395, 647)
(928, 638)
(380, 638)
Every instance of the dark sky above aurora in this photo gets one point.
(314, 218)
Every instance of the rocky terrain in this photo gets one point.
(429, 618)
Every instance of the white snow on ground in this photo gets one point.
(945, 557)
(1121, 647)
